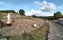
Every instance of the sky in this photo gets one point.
(33, 7)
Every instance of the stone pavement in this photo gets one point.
(56, 32)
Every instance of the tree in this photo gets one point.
(22, 12)
(34, 16)
(12, 11)
(57, 15)
(7, 11)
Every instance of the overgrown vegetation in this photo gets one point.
(38, 34)
(1, 36)
(0, 16)
(22, 12)
(57, 15)
(7, 11)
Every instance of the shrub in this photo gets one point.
(57, 15)
(22, 12)
(1, 35)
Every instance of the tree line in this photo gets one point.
(57, 15)
(21, 11)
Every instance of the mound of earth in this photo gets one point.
(24, 24)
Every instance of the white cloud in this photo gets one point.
(38, 13)
(33, 12)
(46, 7)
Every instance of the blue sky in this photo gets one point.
(33, 7)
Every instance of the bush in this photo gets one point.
(22, 12)
(57, 15)
(0, 16)
(1, 35)
(34, 16)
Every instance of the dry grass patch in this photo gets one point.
(39, 34)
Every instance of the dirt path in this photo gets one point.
(56, 32)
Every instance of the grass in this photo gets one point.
(53, 21)
(1, 35)
(39, 34)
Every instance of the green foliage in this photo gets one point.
(22, 12)
(34, 16)
(0, 16)
(7, 11)
(57, 15)
(50, 18)
(1, 35)
(12, 11)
